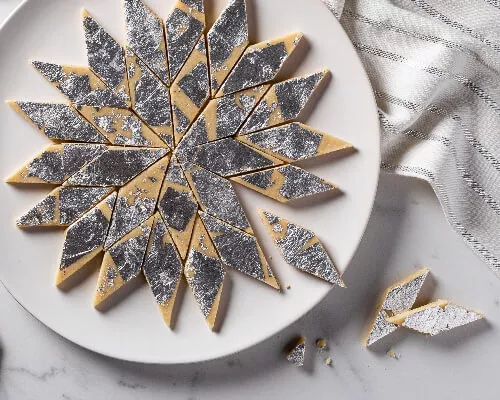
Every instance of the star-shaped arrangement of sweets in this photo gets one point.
(145, 153)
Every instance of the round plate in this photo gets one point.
(133, 330)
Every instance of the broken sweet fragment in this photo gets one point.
(239, 250)
(183, 28)
(145, 36)
(63, 206)
(80, 85)
(297, 354)
(260, 63)
(163, 268)
(122, 127)
(84, 239)
(435, 318)
(122, 262)
(136, 201)
(396, 299)
(285, 183)
(178, 207)
(58, 121)
(150, 98)
(294, 142)
(284, 102)
(227, 40)
(228, 157)
(205, 273)
(116, 166)
(301, 248)
(106, 57)
(216, 196)
(190, 90)
(57, 163)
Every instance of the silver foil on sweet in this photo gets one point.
(228, 32)
(152, 99)
(196, 4)
(43, 213)
(236, 248)
(116, 167)
(402, 297)
(230, 113)
(218, 198)
(381, 328)
(105, 56)
(186, 149)
(205, 276)
(255, 67)
(177, 208)
(74, 201)
(292, 96)
(312, 259)
(129, 254)
(297, 355)
(175, 173)
(129, 124)
(77, 87)
(183, 121)
(55, 167)
(300, 183)
(291, 141)
(435, 320)
(85, 235)
(263, 180)
(129, 214)
(183, 32)
(162, 265)
(228, 157)
(146, 37)
(195, 84)
(60, 122)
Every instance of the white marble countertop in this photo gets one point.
(407, 229)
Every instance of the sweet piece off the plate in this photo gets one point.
(301, 248)
(163, 268)
(396, 299)
(63, 206)
(84, 239)
(297, 354)
(205, 273)
(161, 123)
(435, 318)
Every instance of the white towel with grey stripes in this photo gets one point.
(435, 70)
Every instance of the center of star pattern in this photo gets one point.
(145, 153)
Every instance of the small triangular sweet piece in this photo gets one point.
(163, 268)
(396, 299)
(217, 197)
(59, 122)
(57, 163)
(301, 248)
(227, 40)
(284, 102)
(297, 354)
(183, 28)
(63, 206)
(145, 35)
(106, 57)
(121, 127)
(229, 157)
(239, 250)
(150, 97)
(178, 207)
(205, 273)
(136, 201)
(285, 183)
(294, 142)
(116, 167)
(84, 239)
(260, 63)
(435, 318)
(80, 85)
(190, 90)
(122, 262)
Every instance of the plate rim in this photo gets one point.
(18, 9)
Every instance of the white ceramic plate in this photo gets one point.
(134, 330)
